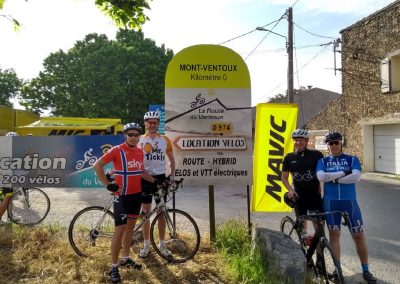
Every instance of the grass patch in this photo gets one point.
(243, 262)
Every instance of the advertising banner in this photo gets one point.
(55, 161)
(208, 115)
(274, 125)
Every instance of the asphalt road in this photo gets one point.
(379, 199)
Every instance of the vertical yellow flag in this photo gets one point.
(274, 125)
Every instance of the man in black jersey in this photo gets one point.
(305, 192)
(301, 164)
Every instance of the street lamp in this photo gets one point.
(265, 30)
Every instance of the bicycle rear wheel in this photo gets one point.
(332, 269)
(90, 231)
(287, 227)
(182, 235)
(28, 206)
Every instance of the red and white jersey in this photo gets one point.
(155, 153)
(128, 167)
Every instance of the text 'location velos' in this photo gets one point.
(33, 162)
(193, 143)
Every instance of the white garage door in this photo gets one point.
(387, 148)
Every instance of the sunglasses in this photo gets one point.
(132, 134)
(334, 143)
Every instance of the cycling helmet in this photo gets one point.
(11, 134)
(288, 201)
(151, 114)
(333, 136)
(300, 133)
(132, 125)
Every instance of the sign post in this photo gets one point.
(208, 116)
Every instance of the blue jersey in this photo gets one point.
(330, 164)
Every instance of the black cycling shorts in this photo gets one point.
(126, 206)
(148, 188)
(8, 191)
(308, 203)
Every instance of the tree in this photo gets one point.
(126, 14)
(101, 78)
(10, 86)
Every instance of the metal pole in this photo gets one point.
(249, 225)
(211, 207)
(290, 56)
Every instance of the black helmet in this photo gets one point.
(132, 125)
(288, 201)
(300, 133)
(333, 136)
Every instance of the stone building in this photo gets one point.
(368, 112)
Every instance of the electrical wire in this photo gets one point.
(311, 33)
(248, 32)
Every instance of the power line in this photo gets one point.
(248, 32)
(311, 33)
(277, 22)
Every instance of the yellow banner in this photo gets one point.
(274, 125)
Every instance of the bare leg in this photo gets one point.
(334, 240)
(128, 236)
(361, 246)
(4, 205)
(116, 242)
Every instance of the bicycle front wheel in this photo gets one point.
(287, 227)
(182, 235)
(28, 206)
(90, 231)
(332, 270)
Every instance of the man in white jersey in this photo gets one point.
(158, 160)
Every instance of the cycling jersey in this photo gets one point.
(332, 164)
(302, 166)
(128, 167)
(155, 153)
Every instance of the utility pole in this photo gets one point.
(290, 56)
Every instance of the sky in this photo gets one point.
(51, 25)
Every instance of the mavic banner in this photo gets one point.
(53, 161)
(208, 115)
(274, 125)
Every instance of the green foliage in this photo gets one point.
(10, 86)
(283, 98)
(125, 13)
(245, 264)
(101, 78)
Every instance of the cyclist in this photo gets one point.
(7, 192)
(340, 173)
(157, 150)
(128, 170)
(305, 193)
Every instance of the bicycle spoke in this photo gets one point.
(182, 236)
(87, 237)
(29, 206)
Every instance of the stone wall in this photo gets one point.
(364, 45)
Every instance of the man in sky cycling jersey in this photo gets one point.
(340, 173)
(158, 158)
(128, 171)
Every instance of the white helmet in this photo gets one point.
(300, 133)
(151, 114)
(11, 134)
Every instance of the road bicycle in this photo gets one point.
(91, 229)
(28, 206)
(329, 267)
